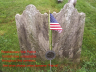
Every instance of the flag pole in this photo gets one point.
(50, 38)
(50, 34)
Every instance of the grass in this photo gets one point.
(9, 39)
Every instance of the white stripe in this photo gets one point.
(55, 28)
(54, 23)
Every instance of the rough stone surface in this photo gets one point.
(32, 28)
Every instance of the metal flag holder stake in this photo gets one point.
(50, 55)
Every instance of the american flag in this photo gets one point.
(54, 25)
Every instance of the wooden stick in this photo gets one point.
(50, 34)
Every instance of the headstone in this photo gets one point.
(32, 28)
(73, 2)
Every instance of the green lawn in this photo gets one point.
(9, 39)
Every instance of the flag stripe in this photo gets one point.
(56, 28)
(54, 23)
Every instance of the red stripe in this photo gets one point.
(54, 24)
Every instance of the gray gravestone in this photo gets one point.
(32, 28)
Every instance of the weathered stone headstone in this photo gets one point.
(73, 2)
(32, 28)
